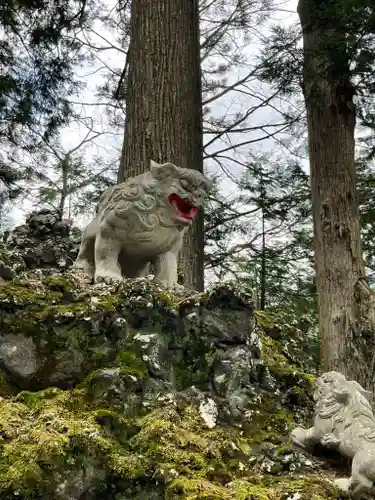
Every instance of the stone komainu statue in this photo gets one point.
(142, 221)
(343, 420)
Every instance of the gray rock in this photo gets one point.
(6, 272)
(44, 241)
(68, 366)
(113, 387)
(155, 353)
(79, 484)
(18, 356)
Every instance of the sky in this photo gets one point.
(108, 145)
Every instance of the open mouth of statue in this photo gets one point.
(184, 209)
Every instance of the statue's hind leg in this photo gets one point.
(359, 485)
(85, 258)
(107, 267)
(362, 471)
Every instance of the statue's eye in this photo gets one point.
(185, 184)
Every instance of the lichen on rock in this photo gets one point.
(134, 391)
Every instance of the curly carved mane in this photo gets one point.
(140, 199)
(345, 398)
(143, 200)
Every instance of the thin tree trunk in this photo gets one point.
(65, 166)
(345, 302)
(164, 112)
(263, 271)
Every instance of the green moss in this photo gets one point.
(34, 399)
(108, 303)
(266, 320)
(245, 489)
(132, 363)
(39, 444)
(285, 449)
(48, 435)
(53, 434)
(310, 378)
(116, 425)
(59, 283)
(166, 299)
(178, 444)
(6, 388)
(275, 361)
(276, 488)
(13, 294)
(33, 311)
(268, 420)
(54, 311)
(282, 367)
(310, 487)
(192, 489)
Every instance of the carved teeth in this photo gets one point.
(183, 207)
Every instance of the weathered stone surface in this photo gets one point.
(344, 421)
(18, 356)
(6, 272)
(142, 221)
(68, 367)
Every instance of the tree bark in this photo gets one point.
(263, 268)
(164, 108)
(345, 302)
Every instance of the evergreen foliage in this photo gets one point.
(271, 216)
(37, 52)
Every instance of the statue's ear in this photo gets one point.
(359, 388)
(162, 171)
(153, 165)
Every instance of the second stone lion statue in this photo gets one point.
(142, 221)
(344, 421)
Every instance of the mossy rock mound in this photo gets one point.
(138, 392)
(56, 444)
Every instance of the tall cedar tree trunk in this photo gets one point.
(164, 107)
(345, 302)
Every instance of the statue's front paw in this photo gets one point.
(330, 441)
(298, 436)
(108, 279)
(84, 267)
(342, 484)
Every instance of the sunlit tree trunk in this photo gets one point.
(164, 112)
(345, 302)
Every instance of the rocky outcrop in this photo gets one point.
(45, 241)
(133, 391)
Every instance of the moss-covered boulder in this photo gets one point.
(137, 392)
